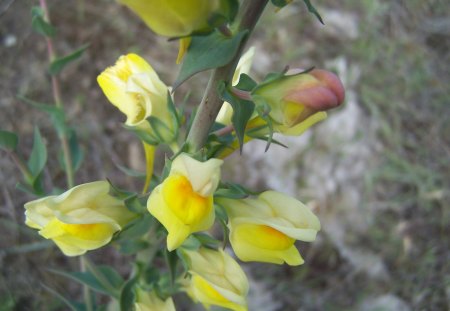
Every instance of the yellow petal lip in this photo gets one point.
(203, 176)
(81, 219)
(183, 202)
(217, 279)
(265, 229)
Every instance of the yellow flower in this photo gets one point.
(136, 90)
(226, 112)
(183, 203)
(81, 219)
(149, 301)
(217, 279)
(297, 101)
(174, 18)
(265, 229)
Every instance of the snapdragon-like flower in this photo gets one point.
(183, 202)
(81, 219)
(265, 229)
(297, 101)
(136, 90)
(149, 301)
(217, 279)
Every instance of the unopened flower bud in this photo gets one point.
(297, 101)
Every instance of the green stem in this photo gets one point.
(87, 295)
(58, 101)
(21, 165)
(211, 102)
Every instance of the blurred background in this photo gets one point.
(376, 172)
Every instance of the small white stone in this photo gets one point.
(9, 40)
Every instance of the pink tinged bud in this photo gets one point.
(326, 94)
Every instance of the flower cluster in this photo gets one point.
(187, 197)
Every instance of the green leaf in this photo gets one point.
(58, 64)
(130, 247)
(76, 152)
(57, 114)
(242, 112)
(38, 156)
(131, 172)
(208, 52)
(171, 261)
(206, 240)
(246, 83)
(280, 3)
(135, 205)
(143, 135)
(313, 10)
(8, 140)
(103, 279)
(127, 295)
(74, 306)
(39, 24)
(136, 229)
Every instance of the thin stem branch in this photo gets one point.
(211, 103)
(21, 165)
(58, 101)
(87, 295)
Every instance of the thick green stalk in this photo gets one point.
(211, 102)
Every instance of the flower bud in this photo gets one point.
(135, 89)
(149, 301)
(265, 229)
(226, 112)
(81, 219)
(183, 202)
(217, 279)
(174, 18)
(298, 101)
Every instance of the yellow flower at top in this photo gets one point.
(136, 90)
(217, 279)
(81, 219)
(265, 229)
(174, 18)
(183, 202)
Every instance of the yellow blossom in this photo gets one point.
(217, 279)
(183, 202)
(149, 301)
(136, 90)
(174, 18)
(265, 229)
(81, 219)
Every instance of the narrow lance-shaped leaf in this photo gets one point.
(208, 52)
(8, 140)
(313, 10)
(242, 111)
(39, 24)
(56, 114)
(38, 156)
(58, 64)
(106, 280)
